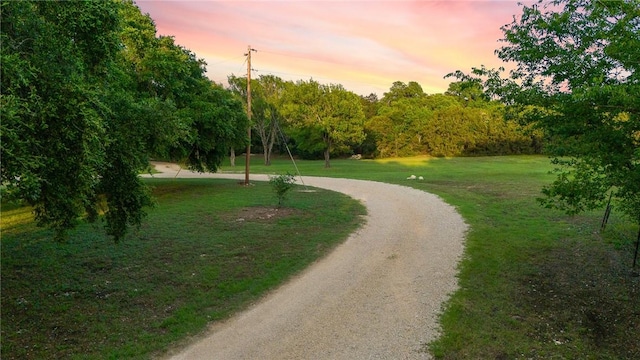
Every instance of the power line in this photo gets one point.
(226, 60)
(311, 76)
(298, 75)
(271, 72)
(298, 56)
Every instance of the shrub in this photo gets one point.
(281, 184)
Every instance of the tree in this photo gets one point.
(217, 122)
(467, 91)
(400, 90)
(269, 92)
(464, 121)
(578, 59)
(55, 57)
(88, 94)
(161, 105)
(266, 98)
(370, 105)
(323, 116)
(399, 126)
(398, 120)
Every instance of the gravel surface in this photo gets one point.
(376, 296)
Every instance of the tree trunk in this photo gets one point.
(272, 139)
(327, 164)
(327, 150)
(232, 157)
(265, 139)
(265, 153)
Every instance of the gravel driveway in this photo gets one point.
(376, 296)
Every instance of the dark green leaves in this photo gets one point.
(88, 94)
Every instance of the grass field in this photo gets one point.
(534, 283)
(209, 248)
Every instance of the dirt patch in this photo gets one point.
(263, 214)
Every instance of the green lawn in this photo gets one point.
(535, 283)
(209, 248)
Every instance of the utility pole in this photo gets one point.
(248, 154)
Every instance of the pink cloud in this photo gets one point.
(364, 45)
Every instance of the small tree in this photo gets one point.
(281, 185)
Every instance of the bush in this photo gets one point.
(281, 185)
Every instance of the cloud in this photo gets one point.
(364, 45)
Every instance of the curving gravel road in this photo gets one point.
(376, 296)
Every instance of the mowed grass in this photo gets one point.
(209, 248)
(534, 283)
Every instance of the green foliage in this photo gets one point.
(400, 90)
(53, 126)
(322, 117)
(575, 56)
(266, 98)
(88, 94)
(217, 123)
(281, 185)
(461, 122)
(193, 120)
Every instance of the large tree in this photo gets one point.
(55, 59)
(579, 60)
(400, 116)
(88, 94)
(216, 121)
(323, 117)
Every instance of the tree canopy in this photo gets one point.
(89, 93)
(461, 122)
(578, 60)
(266, 94)
(322, 117)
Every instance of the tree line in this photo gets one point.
(317, 120)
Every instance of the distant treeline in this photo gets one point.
(404, 122)
(460, 122)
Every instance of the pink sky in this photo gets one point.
(363, 45)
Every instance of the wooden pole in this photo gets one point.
(248, 154)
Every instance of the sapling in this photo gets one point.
(281, 185)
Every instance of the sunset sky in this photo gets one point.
(363, 45)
